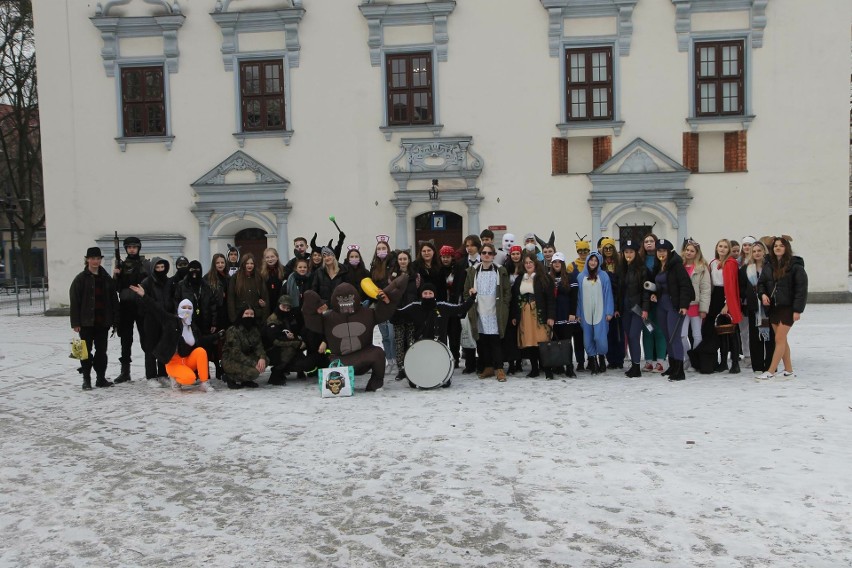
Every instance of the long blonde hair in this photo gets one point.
(264, 269)
(699, 261)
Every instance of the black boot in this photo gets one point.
(102, 382)
(534, 364)
(548, 373)
(677, 373)
(580, 367)
(124, 376)
(668, 371)
(87, 380)
(401, 375)
(735, 367)
(601, 364)
(277, 376)
(634, 371)
(593, 365)
(569, 371)
(469, 361)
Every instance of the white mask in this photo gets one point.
(530, 246)
(508, 241)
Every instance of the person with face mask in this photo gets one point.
(357, 271)
(181, 270)
(380, 269)
(233, 264)
(530, 247)
(243, 357)
(503, 251)
(196, 289)
(159, 289)
(131, 271)
(180, 343)
(431, 318)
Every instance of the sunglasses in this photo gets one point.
(487, 253)
(583, 251)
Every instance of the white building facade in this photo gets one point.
(208, 122)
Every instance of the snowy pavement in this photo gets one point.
(716, 471)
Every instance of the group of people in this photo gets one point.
(493, 307)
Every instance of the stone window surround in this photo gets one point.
(112, 29)
(379, 16)
(232, 24)
(560, 10)
(752, 39)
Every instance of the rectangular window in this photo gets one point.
(262, 95)
(589, 84)
(143, 101)
(719, 78)
(409, 89)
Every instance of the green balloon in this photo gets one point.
(331, 217)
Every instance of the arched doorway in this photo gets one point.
(441, 227)
(252, 240)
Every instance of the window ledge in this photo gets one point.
(123, 141)
(719, 123)
(587, 128)
(389, 130)
(285, 135)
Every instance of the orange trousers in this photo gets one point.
(183, 369)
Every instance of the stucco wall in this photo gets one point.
(499, 86)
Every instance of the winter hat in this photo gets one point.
(557, 256)
(93, 252)
(630, 245)
(194, 264)
(748, 240)
(516, 248)
(447, 250)
(285, 300)
(582, 244)
(607, 241)
(427, 286)
(181, 261)
(529, 237)
(664, 244)
(326, 251)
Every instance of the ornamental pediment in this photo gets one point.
(240, 169)
(639, 157)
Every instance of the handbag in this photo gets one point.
(78, 349)
(336, 380)
(466, 340)
(557, 353)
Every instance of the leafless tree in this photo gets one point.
(20, 138)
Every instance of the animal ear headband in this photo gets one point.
(382, 238)
(550, 243)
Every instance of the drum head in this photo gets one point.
(428, 363)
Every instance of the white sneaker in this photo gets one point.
(765, 376)
(174, 384)
(205, 386)
(787, 375)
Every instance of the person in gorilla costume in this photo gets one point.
(348, 326)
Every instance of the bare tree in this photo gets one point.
(20, 138)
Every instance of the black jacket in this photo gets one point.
(324, 285)
(632, 288)
(791, 290)
(82, 295)
(452, 283)
(545, 299)
(203, 299)
(431, 323)
(566, 296)
(681, 291)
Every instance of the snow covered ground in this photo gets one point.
(716, 471)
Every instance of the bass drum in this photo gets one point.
(429, 364)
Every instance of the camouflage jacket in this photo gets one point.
(243, 347)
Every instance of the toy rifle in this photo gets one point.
(117, 251)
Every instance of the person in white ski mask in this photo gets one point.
(503, 252)
(180, 345)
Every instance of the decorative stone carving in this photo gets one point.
(222, 5)
(638, 163)
(439, 158)
(102, 10)
(239, 161)
(232, 24)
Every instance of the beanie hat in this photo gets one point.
(582, 244)
(326, 251)
(607, 241)
(427, 286)
(447, 250)
(285, 300)
(748, 240)
(195, 264)
(181, 261)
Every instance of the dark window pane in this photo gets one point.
(400, 108)
(132, 86)
(153, 85)
(253, 114)
(409, 83)
(142, 101)
(133, 123)
(273, 79)
(274, 116)
(155, 119)
(421, 107)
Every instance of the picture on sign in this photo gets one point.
(439, 222)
